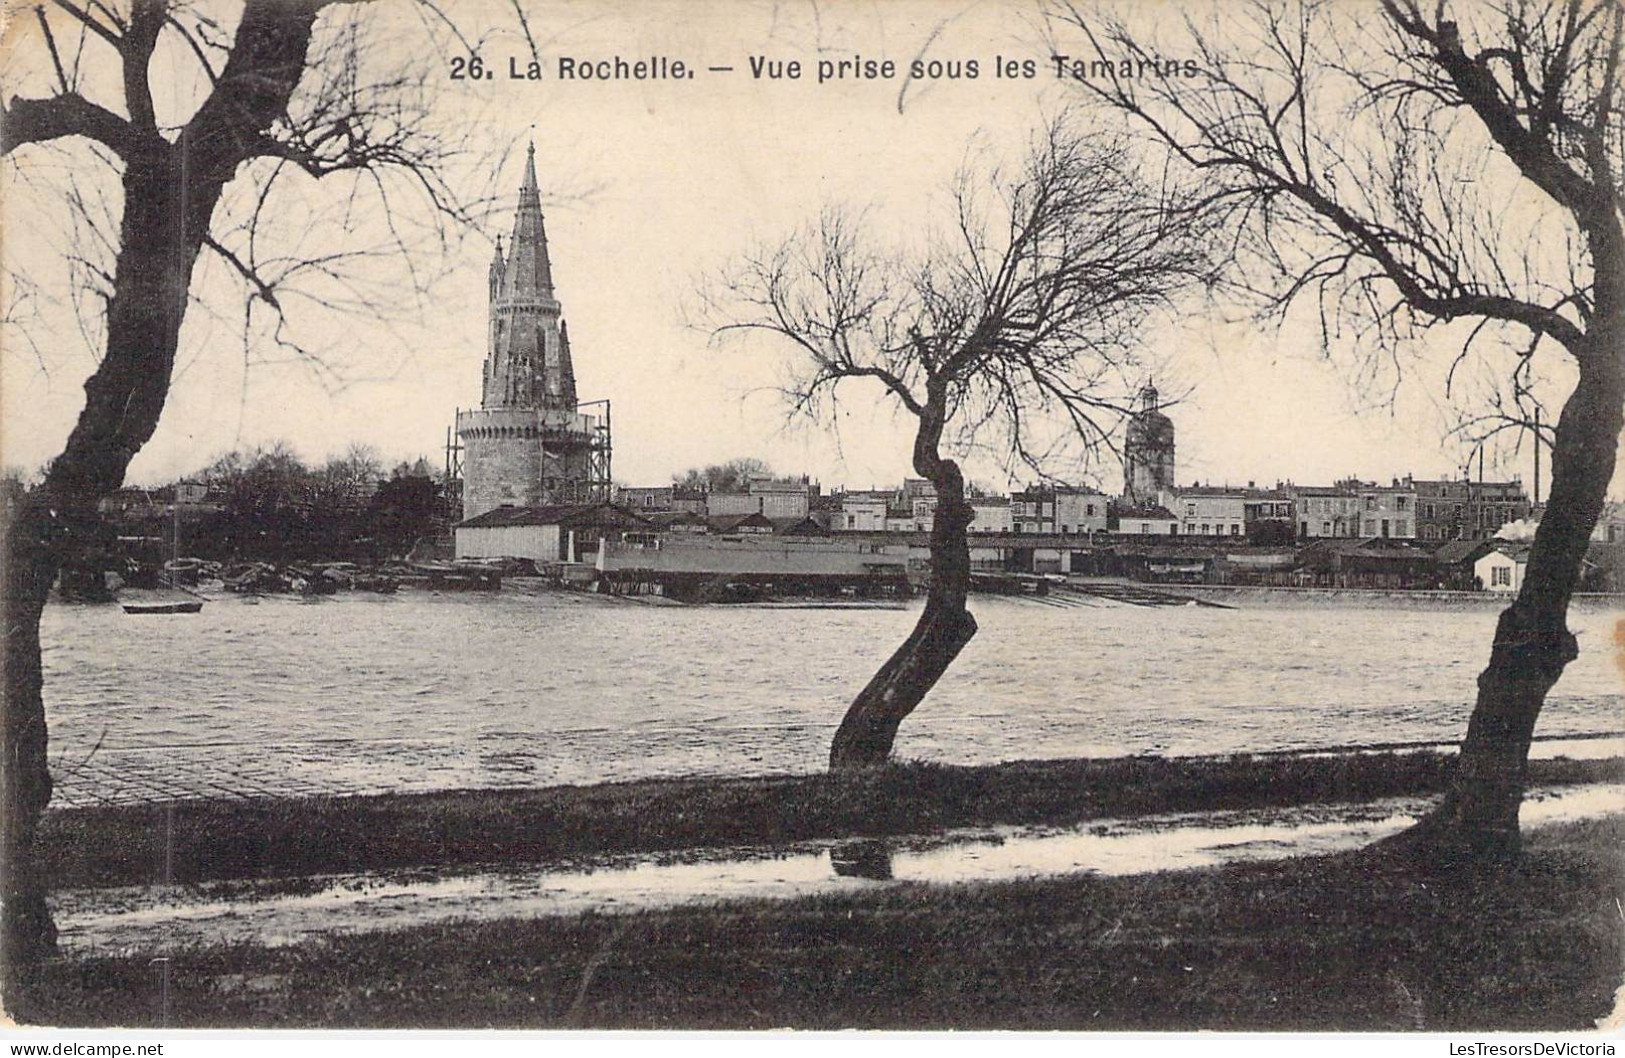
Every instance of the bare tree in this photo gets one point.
(1025, 316)
(283, 94)
(731, 476)
(1399, 167)
(349, 479)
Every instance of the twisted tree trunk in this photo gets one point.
(161, 237)
(869, 729)
(1479, 815)
(31, 558)
(170, 193)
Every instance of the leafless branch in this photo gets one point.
(1028, 310)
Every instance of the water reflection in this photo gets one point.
(160, 918)
(870, 858)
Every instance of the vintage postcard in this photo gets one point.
(1019, 515)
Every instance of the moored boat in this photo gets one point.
(175, 606)
(174, 570)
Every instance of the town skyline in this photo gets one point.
(637, 221)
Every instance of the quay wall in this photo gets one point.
(1286, 596)
(769, 557)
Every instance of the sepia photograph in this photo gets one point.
(974, 515)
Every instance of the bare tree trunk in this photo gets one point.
(869, 729)
(1479, 814)
(26, 932)
(160, 237)
(170, 192)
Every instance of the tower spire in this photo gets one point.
(528, 365)
(529, 272)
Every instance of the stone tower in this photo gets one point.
(1148, 451)
(527, 445)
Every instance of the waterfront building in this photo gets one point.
(1065, 509)
(918, 492)
(808, 526)
(1468, 510)
(1143, 520)
(549, 534)
(1164, 563)
(1442, 510)
(1368, 563)
(1502, 567)
(1080, 510)
(1032, 510)
(677, 521)
(690, 498)
(1148, 451)
(826, 510)
(1456, 560)
(529, 443)
(1325, 511)
(906, 520)
(784, 499)
(1611, 525)
(990, 514)
(1264, 507)
(771, 499)
(700, 566)
(751, 523)
(645, 498)
(723, 504)
(864, 511)
(1388, 511)
(1207, 510)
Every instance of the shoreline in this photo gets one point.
(223, 840)
(1350, 941)
(279, 912)
(1587, 601)
(535, 586)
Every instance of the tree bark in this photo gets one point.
(1478, 817)
(30, 565)
(869, 729)
(124, 398)
(170, 193)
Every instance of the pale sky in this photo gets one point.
(649, 186)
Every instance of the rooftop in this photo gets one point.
(731, 523)
(572, 515)
(1124, 510)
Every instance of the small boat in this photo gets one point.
(190, 603)
(177, 606)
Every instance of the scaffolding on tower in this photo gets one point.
(600, 483)
(451, 492)
(587, 431)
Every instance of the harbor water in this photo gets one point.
(418, 691)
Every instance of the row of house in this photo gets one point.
(762, 495)
(676, 547)
(1403, 509)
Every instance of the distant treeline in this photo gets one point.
(267, 504)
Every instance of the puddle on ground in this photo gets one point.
(142, 919)
(1590, 748)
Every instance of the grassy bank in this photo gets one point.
(1342, 942)
(201, 841)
